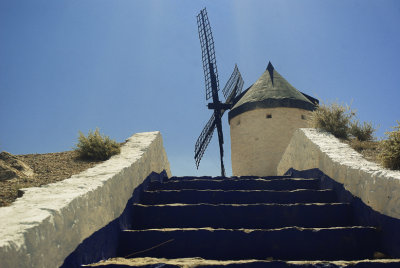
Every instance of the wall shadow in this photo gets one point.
(388, 227)
(103, 244)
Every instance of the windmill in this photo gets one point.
(232, 88)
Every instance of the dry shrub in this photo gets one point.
(96, 146)
(368, 149)
(362, 132)
(333, 118)
(360, 146)
(390, 149)
(340, 121)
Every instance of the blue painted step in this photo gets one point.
(289, 243)
(245, 221)
(237, 196)
(285, 184)
(241, 215)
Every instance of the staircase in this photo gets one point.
(247, 221)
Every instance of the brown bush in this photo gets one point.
(390, 149)
(333, 118)
(96, 146)
(362, 132)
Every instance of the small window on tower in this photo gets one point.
(303, 117)
(269, 116)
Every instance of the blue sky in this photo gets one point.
(131, 66)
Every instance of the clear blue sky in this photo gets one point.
(131, 66)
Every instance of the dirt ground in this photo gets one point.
(48, 168)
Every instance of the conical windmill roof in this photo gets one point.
(269, 91)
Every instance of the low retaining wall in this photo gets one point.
(376, 187)
(363, 215)
(47, 224)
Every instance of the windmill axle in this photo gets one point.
(219, 106)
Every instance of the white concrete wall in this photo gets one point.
(258, 142)
(377, 187)
(44, 226)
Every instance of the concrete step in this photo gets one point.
(200, 262)
(291, 243)
(241, 215)
(237, 184)
(237, 196)
(229, 178)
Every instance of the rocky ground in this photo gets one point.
(47, 168)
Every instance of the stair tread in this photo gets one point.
(238, 190)
(242, 179)
(229, 178)
(249, 230)
(200, 262)
(218, 196)
(289, 243)
(237, 184)
(241, 205)
(241, 215)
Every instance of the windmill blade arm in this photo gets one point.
(234, 85)
(208, 53)
(204, 139)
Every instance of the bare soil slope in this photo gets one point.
(47, 168)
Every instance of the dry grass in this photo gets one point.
(368, 149)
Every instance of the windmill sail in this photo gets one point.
(208, 53)
(203, 140)
(233, 87)
(211, 75)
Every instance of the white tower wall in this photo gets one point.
(259, 138)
